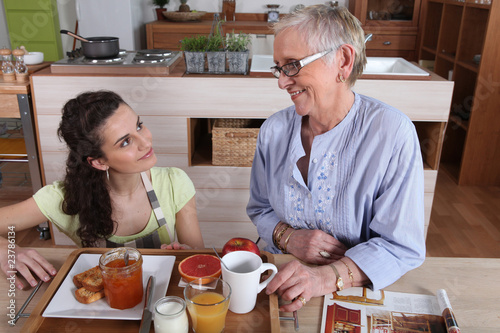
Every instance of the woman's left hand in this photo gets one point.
(299, 283)
(175, 246)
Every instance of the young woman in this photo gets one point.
(111, 192)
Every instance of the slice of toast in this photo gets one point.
(85, 296)
(78, 278)
(93, 282)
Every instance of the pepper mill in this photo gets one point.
(7, 66)
(20, 67)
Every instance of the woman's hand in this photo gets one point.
(175, 246)
(27, 262)
(307, 244)
(295, 280)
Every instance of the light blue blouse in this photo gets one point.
(365, 186)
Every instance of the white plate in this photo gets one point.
(65, 305)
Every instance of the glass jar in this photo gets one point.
(20, 66)
(170, 315)
(7, 66)
(123, 285)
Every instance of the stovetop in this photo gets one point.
(126, 58)
(126, 62)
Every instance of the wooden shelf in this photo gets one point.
(429, 49)
(12, 149)
(465, 30)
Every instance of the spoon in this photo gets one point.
(72, 34)
(213, 247)
(125, 257)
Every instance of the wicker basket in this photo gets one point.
(234, 140)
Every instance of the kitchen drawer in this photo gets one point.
(9, 107)
(170, 41)
(391, 42)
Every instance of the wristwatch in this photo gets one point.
(339, 283)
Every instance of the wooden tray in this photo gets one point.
(264, 318)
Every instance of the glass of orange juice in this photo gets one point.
(207, 300)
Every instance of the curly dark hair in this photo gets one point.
(86, 192)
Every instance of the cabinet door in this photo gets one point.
(402, 13)
(35, 24)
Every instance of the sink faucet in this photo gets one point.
(368, 37)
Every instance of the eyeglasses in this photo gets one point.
(293, 68)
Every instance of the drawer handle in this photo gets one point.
(387, 43)
(240, 135)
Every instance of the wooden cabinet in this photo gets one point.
(460, 41)
(167, 35)
(393, 23)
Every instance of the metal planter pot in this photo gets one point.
(195, 62)
(238, 62)
(216, 62)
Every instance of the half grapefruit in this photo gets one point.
(198, 266)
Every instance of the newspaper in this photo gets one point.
(362, 310)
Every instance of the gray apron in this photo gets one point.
(152, 240)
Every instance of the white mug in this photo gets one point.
(243, 273)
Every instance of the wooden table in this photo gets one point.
(469, 282)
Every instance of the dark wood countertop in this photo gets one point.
(246, 26)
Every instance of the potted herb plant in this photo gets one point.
(160, 4)
(216, 57)
(184, 7)
(194, 53)
(237, 52)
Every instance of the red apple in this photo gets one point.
(240, 244)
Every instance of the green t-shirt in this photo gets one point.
(172, 186)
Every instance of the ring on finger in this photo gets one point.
(303, 300)
(325, 254)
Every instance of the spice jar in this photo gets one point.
(20, 67)
(7, 66)
(123, 286)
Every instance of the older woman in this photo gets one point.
(337, 178)
(112, 194)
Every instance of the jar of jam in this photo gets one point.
(123, 286)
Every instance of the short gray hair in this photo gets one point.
(324, 27)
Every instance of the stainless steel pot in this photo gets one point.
(97, 47)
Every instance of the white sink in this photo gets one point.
(262, 63)
(374, 66)
(392, 66)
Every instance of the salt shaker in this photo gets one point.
(7, 66)
(20, 67)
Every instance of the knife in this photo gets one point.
(147, 315)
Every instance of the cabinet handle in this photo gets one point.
(387, 43)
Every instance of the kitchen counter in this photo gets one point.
(172, 106)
